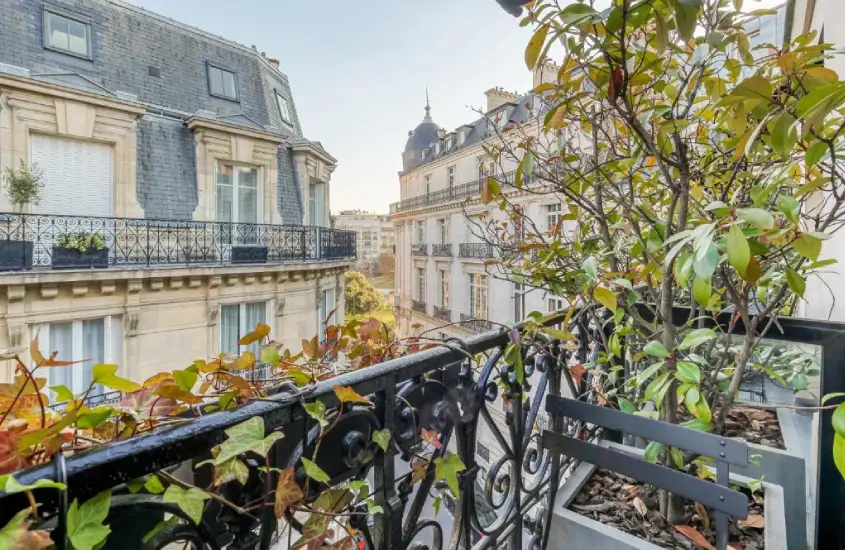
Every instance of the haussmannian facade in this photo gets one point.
(184, 152)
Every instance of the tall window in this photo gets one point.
(93, 341)
(421, 284)
(443, 287)
(443, 230)
(518, 302)
(450, 173)
(552, 213)
(554, 305)
(237, 194)
(483, 167)
(326, 314)
(222, 83)
(478, 295)
(427, 184)
(67, 35)
(317, 204)
(236, 320)
(421, 232)
(284, 107)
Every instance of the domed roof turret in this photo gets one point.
(418, 139)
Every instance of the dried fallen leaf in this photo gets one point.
(753, 522)
(702, 515)
(640, 506)
(630, 491)
(692, 534)
(577, 372)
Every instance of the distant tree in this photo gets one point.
(386, 264)
(361, 296)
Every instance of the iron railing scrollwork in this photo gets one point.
(476, 250)
(32, 241)
(419, 306)
(475, 324)
(419, 249)
(441, 250)
(443, 313)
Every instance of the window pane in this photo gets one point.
(57, 35)
(284, 109)
(229, 324)
(224, 193)
(61, 341)
(77, 41)
(254, 313)
(228, 84)
(93, 349)
(215, 80)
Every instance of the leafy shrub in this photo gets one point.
(24, 185)
(82, 241)
(361, 296)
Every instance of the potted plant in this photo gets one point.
(691, 172)
(80, 250)
(23, 187)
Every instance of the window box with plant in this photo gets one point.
(23, 186)
(80, 250)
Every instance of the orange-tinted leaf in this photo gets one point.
(432, 437)
(245, 361)
(287, 491)
(53, 362)
(173, 391)
(10, 460)
(692, 534)
(577, 372)
(146, 402)
(260, 332)
(310, 347)
(419, 472)
(366, 330)
(33, 540)
(348, 395)
(703, 515)
(244, 388)
(344, 544)
(753, 521)
(34, 352)
(153, 381)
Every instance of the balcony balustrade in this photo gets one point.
(441, 250)
(38, 241)
(470, 189)
(480, 251)
(443, 313)
(419, 306)
(419, 249)
(474, 324)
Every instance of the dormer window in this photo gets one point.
(448, 143)
(501, 118)
(462, 135)
(437, 148)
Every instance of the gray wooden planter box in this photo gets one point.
(569, 529)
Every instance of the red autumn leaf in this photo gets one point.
(145, 402)
(432, 437)
(577, 372)
(287, 492)
(692, 534)
(10, 460)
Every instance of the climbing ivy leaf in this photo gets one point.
(287, 491)
(447, 469)
(382, 438)
(190, 500)
(315, 472)
(317, 411)
(85, 527)
(348, 395)
(248, 436)
(107, 376)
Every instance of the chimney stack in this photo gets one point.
(273, 62)
(545, 72)
(498, 96)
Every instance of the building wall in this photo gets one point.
(167, 168)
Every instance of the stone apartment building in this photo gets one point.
(375, 235)
(184, 154)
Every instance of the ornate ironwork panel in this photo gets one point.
(476, 250)
(443, 250)
(419, 306)
(443, 313)
(474, 324)
(419, 249)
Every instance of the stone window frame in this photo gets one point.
(50, 9)
(208, 66)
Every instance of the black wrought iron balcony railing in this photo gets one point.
(419, 306)
(443, 313)
(40, 241)
(465, 190)
(419, 249)
(435, 390)
(475, 324)
(476, 250)
(441, 250)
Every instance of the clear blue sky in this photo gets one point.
(359, 71)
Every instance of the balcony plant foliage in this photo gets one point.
(82, 241)
(692, 171)
(31, 434)
(24, 185)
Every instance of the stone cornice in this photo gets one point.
(22, 83)
(305, 146)
(200, 123)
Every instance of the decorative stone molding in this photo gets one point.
(249, 279)
(134, 286)
(283, 277)
(231, 280)
(280, 306)
(131, 319)
(156, 284)
(16, 332)
(176, 283)
(212, 311)
(16, 293)
(214, 281)
(49, 291)
(266, 277)
(194, 282)
(108, 287)
(79, 289)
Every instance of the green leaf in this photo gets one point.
(11, 485)
(625, 405)
(839, 419)
(688, 372)
(790, 208)
(513, 357)
(159, 527)
(436, 505)
(85, 527)
(527, 163)
(654, 390)
(652, 451)
(317, 411)
(706, 260)
(14, 530)
(248, 436)
(605, 297)
(696, 424)
(382, 438)
(186, 378)
(825, 399)
(63, 393)
(815, 153)
(683, 268)
(686, 17)
(270, 355)
(756, 88)
(817, 104)
(576, 13)
(590, 269)
(447, 468)
(697, 337)
(808, 245)
(701, 290)
(190, 501)
(784, 134)
(535, 46)
(691, 397)
(739, 253)
(315, 472)
(106, 375)
(796, 282)
(624, 283)
(93, 418)
(491, 191)
(839, 453)
(677, 457)
(656, 349)
(757, 217)
(702, 411)
(153, 485)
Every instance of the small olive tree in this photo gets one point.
(692, 171)
(23, 185)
